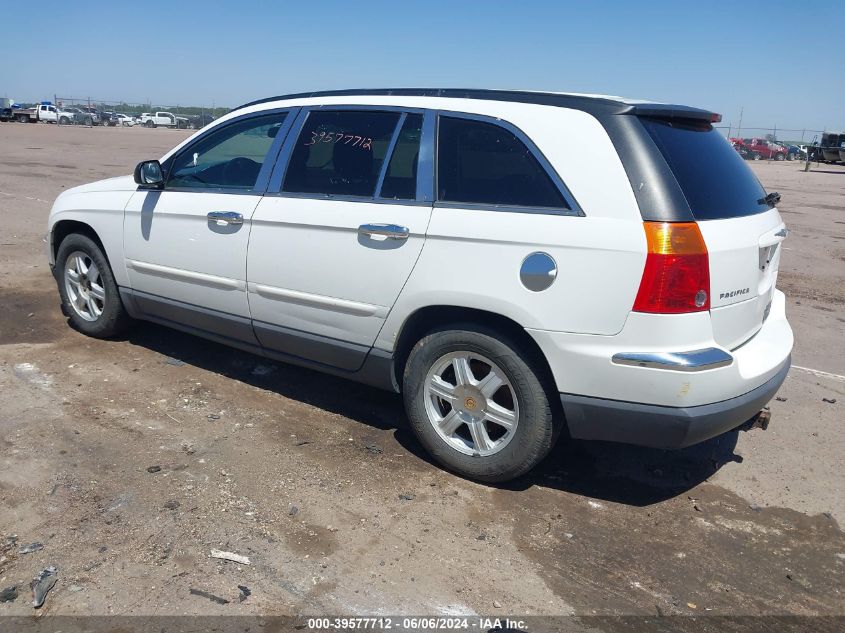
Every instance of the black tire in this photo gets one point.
(149, 124)
(537, 429)
(114, 320)
(780, 157)
(756, 156)
(64, 121)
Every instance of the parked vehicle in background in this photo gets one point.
(762, 148)
(6, 109)
(794, 152)
(125, 120)
(109, 119)
(45, 112)
(163, 119)
(199, 121)
(740, 147)
(508, 289)
(96, 115)
(842, 151)
(829, 146)
(77, 116)
(811, 152)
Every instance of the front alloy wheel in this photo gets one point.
(84, 286)
(90, 297)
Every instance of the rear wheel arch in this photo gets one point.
(440, 317)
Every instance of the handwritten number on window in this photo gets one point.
(364, 142)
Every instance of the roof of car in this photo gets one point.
(588, 102)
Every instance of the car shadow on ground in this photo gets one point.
(603, 470)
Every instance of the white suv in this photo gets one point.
(514, 263)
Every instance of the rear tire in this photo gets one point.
(90, 296)
(755, 156)
(464, 420)
(779, 157)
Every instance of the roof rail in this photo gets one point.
(604, 104)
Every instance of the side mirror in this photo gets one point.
(148, 173)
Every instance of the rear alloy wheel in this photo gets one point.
(779, 157)
(88, 289)
(755, 156)
(477, 404)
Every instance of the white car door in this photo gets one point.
(339, 231)
(186, 244)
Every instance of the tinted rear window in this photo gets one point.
(714, 178)
(483, 163)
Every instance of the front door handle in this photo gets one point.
(390, 231)
(226, 217)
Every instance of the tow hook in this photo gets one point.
(759, 421)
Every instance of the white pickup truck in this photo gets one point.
(164, 119)
(43, 112)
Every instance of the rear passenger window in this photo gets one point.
(340, 153)
(483, 163)
(400, 181)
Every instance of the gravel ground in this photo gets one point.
(131, 460)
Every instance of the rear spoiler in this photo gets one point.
(666, 111)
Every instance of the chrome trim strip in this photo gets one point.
(696, 360)
(317, 301)
(425, 162)
(190, 276)
(389, 155)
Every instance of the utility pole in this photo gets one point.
(739, 127)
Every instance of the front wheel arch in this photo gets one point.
(63, 228)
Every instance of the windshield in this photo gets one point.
(713, 177)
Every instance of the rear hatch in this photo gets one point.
(741, 229)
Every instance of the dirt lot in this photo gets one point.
(303, 473)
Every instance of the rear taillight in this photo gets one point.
(676, 278)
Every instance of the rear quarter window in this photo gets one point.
(713, 177)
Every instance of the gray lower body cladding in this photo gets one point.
(664, 427)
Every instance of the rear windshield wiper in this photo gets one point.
(771, 199)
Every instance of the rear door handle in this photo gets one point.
(226, 217)
(390, 231)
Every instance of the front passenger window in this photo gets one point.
(228, 158)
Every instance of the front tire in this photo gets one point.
(89, 293)
(477, 403)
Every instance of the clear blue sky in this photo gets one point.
(783, 60)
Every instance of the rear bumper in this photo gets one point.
(591, 418)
